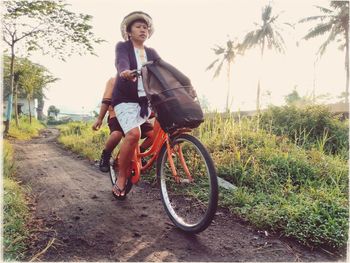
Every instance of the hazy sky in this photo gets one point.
(185, 32)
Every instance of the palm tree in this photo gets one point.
(267, 34)
(226, 55)
(335, 23)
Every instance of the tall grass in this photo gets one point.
(296, 188)
(79, 137)
(309, 126)
(299, 192)
(15, 209)
(25, 130)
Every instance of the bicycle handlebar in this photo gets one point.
(137, 72)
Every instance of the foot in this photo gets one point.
(104, 161)
(118, 193)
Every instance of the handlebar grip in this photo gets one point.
(135, 73)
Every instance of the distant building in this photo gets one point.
(340, 108)
(23, 107)
(74, 117)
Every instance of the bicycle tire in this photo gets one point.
(173, 201)
(113, 175)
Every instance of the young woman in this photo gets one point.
(116, 132)
(129, 98)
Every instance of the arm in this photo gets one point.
(121, 57)
(122, 62)
(97, 125)
(106, 101)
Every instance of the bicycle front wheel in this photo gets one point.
(191, 198)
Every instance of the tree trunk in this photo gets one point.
(30, 111)
(314, 85)
(347, 66)
(40, 108)
(258, 98)
(258, 91)
(228, 85)
(16, 104)
(10, 97)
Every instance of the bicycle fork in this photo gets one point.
(178, 150)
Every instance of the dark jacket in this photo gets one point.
(125, 90)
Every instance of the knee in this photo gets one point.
(116, 136)
(133, 136)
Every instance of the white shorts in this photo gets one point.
(128, 115)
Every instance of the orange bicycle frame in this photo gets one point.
(160, 137)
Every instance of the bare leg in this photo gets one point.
(113, 140)
(148, 141)
(126, 153)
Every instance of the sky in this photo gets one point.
(185, 33)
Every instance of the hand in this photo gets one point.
(127, 74)
(97, 125)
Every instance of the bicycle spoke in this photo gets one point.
(191, 200)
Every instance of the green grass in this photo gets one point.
(79, 137)
(25, 130)
(282, 187)
(15, 207)
(296, 188)
(15, 210)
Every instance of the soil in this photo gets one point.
(76, 218)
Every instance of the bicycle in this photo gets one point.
(186, 174)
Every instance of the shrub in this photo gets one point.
(79, 137)
(309, 126)
(8, 164)
(15, 210)
(301, 192)
(25, 130)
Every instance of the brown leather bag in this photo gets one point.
(172, 97)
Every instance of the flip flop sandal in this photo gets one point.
(119, 191)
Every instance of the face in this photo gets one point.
(139, 32)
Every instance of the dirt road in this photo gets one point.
(79, 220)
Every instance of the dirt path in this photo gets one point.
(79, 220)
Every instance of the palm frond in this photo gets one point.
(250, 40)
(324, 10)
(289, 24)
(218, 50)
(311, 18)
(212, 64)
(266, 14)
(273, 19)
(330, 38)
(229, 55)
(320, 29)
(218, 69)
(259, 36)
(340, 4)
(266, 35)
(229, 44)
(279, 42)
(342, 47)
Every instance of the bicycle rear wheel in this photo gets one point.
(190, 200)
